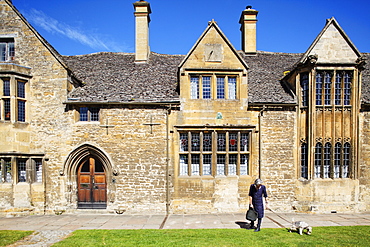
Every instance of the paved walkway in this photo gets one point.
(52, 228)
(173, 221)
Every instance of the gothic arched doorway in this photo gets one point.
(91, 184)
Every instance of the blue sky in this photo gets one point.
(77, 27)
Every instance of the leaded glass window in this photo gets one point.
(89, 114)
(194, 87)
(304, 88)
(21, 111)
(337, 159)
(207, 164)
(319, 81)
(318, 160)
(346, 160)
(327, 86)
(184, 164)
(338, 89)
(22, 171)
(347, 88)
(206, 83)
(6, 87)
(304, 160)
(220, 87)
(195, 162)
(221, 161)
(7, 50)
(38, 167)
(7, 109)
(214, 153)
(232, 87)
(327, 159)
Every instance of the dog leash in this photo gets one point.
(276, 222)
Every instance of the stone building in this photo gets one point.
(154, 133)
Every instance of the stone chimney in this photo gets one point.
(142, 19)
(248, 21)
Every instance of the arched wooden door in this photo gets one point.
(92, 186)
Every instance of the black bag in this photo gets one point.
(251, 215)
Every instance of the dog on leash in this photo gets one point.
(300, 226)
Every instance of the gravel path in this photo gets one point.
(42, 238)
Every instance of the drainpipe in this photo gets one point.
(167, 162)
(260, 114)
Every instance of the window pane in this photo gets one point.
(233, 142)
(207, 142)
(346, 160)
(337, 159)
(194, 87)
(38, 170)
(11, 50)
(207, 161)
(221, 142)
(244, 142)
(7, 109)
(6, 87)
(338, 89)
(220, 87)
(304, 161)
(8, 171)
(21, 111)
(83, 113)
(327, 89)
(347, 88)
(318, 157)
(327, 159)
(206, 82)
(21, 164)
(243, 164)
(94, 114)
(319, 89)
(184, 164)
(195, 142)
(21, 89)
(221, 158)
(183, 142)
(232, 87)
(2, 51)
(232, 164)
(304, 87)
(195, 161)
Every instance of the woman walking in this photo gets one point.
(257, 192)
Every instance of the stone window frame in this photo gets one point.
(7, 49)
(222, 86)
(21, 169)
(13, 102)
(190, 147)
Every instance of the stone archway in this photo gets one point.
(91, 155)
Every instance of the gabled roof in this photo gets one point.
(213, 25)
(329, 23)
(116, 78)
(47, 45)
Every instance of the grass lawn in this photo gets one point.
(9, 237)
(321, 236)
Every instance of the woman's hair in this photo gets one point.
(258, 181)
